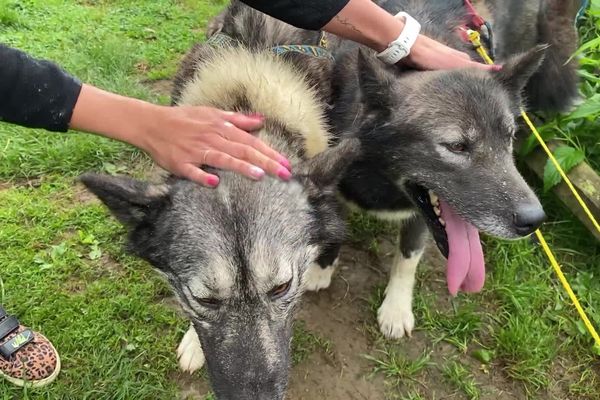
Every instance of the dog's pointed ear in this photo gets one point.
(516, 72)
(130, 200)
(374, 81)
(327, 168)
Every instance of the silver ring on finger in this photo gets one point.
(205, 157)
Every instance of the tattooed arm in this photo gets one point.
(365, 22)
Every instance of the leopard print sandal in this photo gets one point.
(27, 358)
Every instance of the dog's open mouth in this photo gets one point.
(456, 238)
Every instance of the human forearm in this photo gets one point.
(114, 116)
(359, 20)
(181, 139)
(365, 22)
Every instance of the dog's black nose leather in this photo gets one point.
(528, 218)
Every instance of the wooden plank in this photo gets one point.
(585, 180)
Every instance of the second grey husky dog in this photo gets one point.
(438, 145)
(236, 255)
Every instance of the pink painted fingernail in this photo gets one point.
(284, 174)
(497, 68)
(257, 173)
(212, 181)
(285, 162)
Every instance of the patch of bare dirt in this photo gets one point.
(32, 183)
(340, 314)
(191, 386)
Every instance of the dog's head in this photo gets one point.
(235, 257)
(450, 133)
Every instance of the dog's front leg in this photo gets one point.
(395, 315)
(318, 275)
(190, 354)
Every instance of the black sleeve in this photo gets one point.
(35, 93)
(305, 14)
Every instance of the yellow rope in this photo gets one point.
(475, 39)
(560, 170)
(567, 287)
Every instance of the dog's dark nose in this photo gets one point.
(528, 218)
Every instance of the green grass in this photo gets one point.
(459, 376)
(305, 343)
(398, 369)
(457, 327)
(8, 15)
(527, 346)
(365, 229)
(64, 271)
(413, 396)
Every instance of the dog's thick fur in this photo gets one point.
(446, 131)
(236, 255)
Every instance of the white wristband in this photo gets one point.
(400, 47)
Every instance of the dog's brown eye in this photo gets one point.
(456, 147)
(280, 290)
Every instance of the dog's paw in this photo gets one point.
(317, 278)
(396, 318)
(189, 352)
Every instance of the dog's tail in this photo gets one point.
(554, 87)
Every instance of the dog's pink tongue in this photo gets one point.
(466, 269)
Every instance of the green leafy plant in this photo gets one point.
(577, 131)
(568, 158)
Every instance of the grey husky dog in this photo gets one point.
(236, 255)
(437, 146)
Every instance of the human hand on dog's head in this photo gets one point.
(181, 139)
(428, 54)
